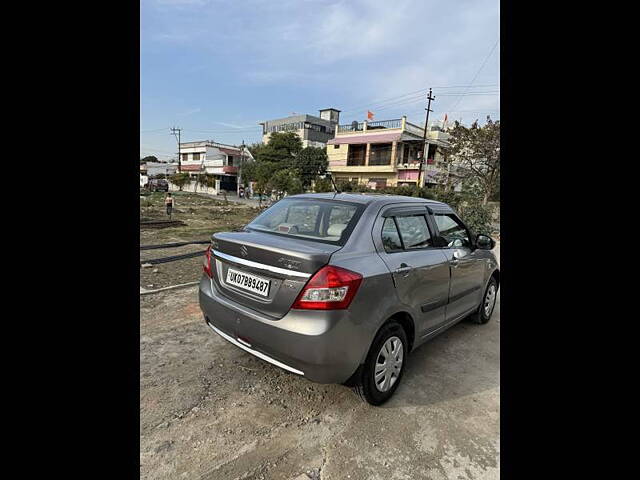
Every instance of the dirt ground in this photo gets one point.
(203, 216)
(209, 410)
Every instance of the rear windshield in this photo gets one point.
(313, 219)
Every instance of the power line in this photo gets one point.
(478, 72)
(374, 103)
(156, 149)
(476, 86)
(244, 130)
(412, 100)
(369, 104)
(468, 94)
(155, 130)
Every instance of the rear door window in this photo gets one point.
(414, 232)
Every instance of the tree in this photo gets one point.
(310, 163)
(323, 185)
(148, 159)
(180, 179)
(283, 165)
(259, 172)
(282, 148)
(476, 150)
(207, 180)
(286, 181)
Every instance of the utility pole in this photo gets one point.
(176, 132)
(424, 140)
(240, 170)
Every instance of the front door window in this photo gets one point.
(452, 231)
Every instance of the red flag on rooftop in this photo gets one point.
(369, 115)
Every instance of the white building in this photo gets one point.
(214, 158)
(313, 131)
(152, 169)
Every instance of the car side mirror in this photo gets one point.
(485, 242)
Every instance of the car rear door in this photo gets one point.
(467, 268)
(420, 270)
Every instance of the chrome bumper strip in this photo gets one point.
(254, 352)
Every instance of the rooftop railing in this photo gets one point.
(351, 127)
(416, 130)
(395, 123)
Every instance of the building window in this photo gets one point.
(185, 157)
(356, 155)
(377, 183)
(230, 160)
(196, 156)
(411, 153)
(431, 152)
(380, 154)
(336, 146)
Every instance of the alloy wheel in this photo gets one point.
(388, 364)
(490, 300)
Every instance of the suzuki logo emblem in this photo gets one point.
(244, 251)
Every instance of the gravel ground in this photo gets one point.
(171, 273)
(203, 216)
(209, 410)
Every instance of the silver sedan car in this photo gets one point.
(340, 288)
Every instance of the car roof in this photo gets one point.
(378, 199)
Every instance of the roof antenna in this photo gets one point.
(335, 187)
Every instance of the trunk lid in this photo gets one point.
(286, 262)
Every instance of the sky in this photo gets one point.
(216, 68)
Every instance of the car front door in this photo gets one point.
(467, 268)
(419, 269)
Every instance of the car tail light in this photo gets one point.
(331, 288)
(206, 265)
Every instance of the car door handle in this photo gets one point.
(404, 269)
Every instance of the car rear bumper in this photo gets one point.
(322, 346)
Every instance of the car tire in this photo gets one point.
(365, 385)
(488, 303)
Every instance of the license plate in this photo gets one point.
(249, 282)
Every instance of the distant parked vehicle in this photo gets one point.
(158, 185)
(339, 288)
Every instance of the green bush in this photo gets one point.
(207, 180)
(477, 216)
(323, 185)
(180, 179)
